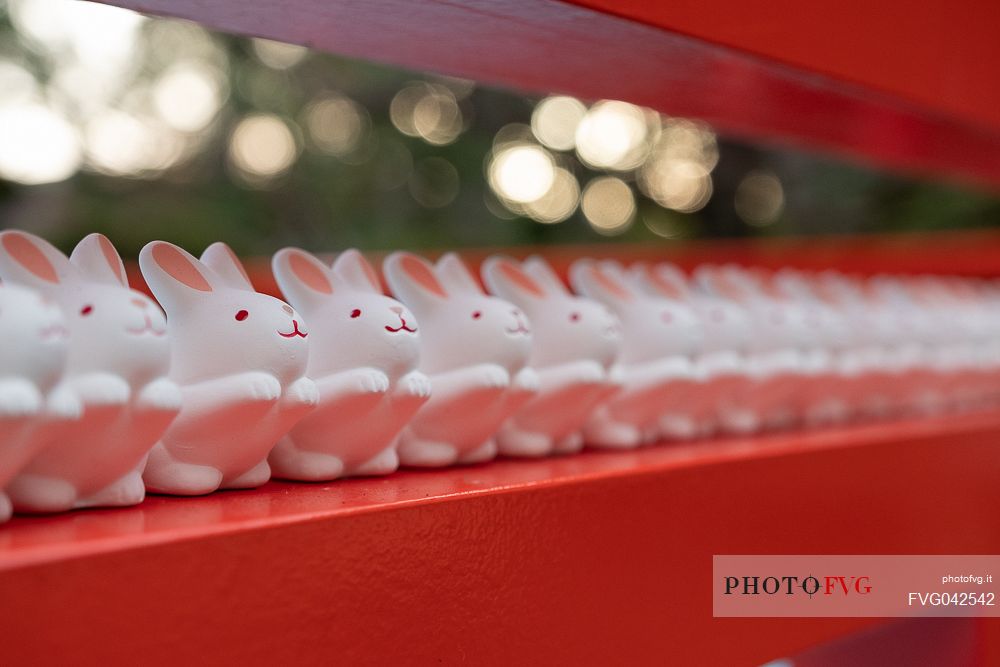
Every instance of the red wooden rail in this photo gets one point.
(593, 559)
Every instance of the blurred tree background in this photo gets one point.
(146, 128)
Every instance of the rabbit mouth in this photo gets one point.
(147, 327)
(519, 329)
(295, 331)
(402, 327)
(54, 332)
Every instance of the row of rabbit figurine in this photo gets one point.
(103, 398)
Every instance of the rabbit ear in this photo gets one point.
(506, 279)
(664, 280)
(220, 258)
(542, 272)
(32, 261)
(455, 275)
(413, 280)
(594, 281)
(97, 260)
(174, 275)
(715, 281)
(303, 279)
(355, 270)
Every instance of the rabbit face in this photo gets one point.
(116, 330)
(352, 322)
(461, 326)
(565, 327)
(656, 328)
(35, 336)
(113, 328)
(652, 327)
(726, 324)
(218, 325)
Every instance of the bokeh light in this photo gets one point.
(337, 125)
(555, 120)
(428, 111)
(521, 173)
(613, 135)
(434, 182)
(608, 204)
(278, 55)
(261, 148)
(37, 145)
(559, 202)
(187, 96)
(760, 198)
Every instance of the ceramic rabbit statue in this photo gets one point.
(575, 342)
(775, 361)
(680, 416)
(239, 358)
(475, 349)
(363, 357)
(117, 366)
(720, 361)
(32, 362)
(655, 357)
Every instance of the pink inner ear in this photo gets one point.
(663, 284)
(111, 257)
(610, 284)
(309, 274)
(238, 264)
(30, 257)
(521, 279)
(179, 267)
(421, 274)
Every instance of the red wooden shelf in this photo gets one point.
(592, 559)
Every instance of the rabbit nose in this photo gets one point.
(287, 309)
(396, 309)
(140, 303)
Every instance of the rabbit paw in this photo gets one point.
(494, 377)
(99, 389)
(19, 398)
(592, 373)
(527, 381)
(302, 392)
(263, 387)
(371, 381)
(64, 404)
(415, 384)
(161, 395)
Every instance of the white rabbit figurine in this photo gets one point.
(363, 357)
(720, 363)
(32, 361)
(239, 358)
(117, 366)
(475, 349)
(575, 342)
(655, 356)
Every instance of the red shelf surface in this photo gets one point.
(593, 559)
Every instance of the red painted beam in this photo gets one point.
(593, 559)
(786, 81)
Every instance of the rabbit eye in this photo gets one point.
(574, 317)
(242, 315)
(86, 310)
(355, 313)
(476, 315)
